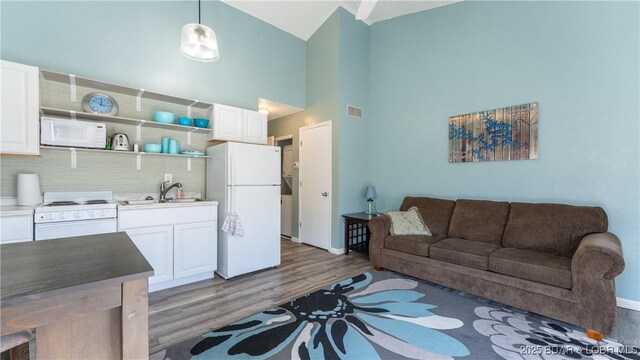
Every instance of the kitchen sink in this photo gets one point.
(186, 200)
(154, 201)
(139, 202)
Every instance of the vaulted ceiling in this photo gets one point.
(303, 17)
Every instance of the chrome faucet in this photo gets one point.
(164, 189)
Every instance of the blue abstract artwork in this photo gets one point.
(509, 133)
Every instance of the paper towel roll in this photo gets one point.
(29, 189)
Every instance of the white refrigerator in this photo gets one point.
(245, 179)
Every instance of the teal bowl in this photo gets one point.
(184, 121)
(201, 123)
(152, 148)
(164, 117)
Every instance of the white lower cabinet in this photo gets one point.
(180, 243)
(193, 246)
(16, 228)
(156, 244)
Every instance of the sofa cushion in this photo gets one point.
(479, 220)
(411, 244)
(532, 265)
(436, 213)
(470, 253)
(407, 222)
(552, 228)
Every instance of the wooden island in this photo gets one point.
(86, 296)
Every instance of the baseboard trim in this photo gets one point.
(336, 251)
(295, 239)
(628, 304)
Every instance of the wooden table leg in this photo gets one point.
(135, 319)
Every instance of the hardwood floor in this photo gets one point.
(187, 311)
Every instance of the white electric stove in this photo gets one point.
(65, 214)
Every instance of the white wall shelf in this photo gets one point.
(121, 152)
(122, 120)
(125, 90)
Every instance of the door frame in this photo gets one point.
(284, 137)
(301, 172)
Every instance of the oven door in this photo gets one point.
(75, 228)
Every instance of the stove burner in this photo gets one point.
(62, 203)
(94, 202)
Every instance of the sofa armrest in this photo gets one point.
(599, 255)
(380, 227)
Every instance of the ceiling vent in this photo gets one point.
(354, 111)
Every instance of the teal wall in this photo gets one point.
(579, 60)
(354, 133)
(323, 64)
(337, 75)
(136, 43)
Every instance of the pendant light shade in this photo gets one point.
(198, 42)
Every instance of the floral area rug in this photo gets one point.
(382, 315)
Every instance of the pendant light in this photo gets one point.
(199, 42)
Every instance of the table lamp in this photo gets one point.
(371, 194)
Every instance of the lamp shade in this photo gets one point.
(199, 42)
(370, 193)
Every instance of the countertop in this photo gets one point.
(38, 269)
(122, 207)
(17, 210)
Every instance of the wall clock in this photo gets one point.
(99, 103)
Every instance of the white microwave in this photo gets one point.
(72, 133)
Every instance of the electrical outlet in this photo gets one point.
(168, 177)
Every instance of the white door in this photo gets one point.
(315, 185)
(251, 164)
(19, 119)
(227, 123)
(254, 127)
(194, 248)
(156, 244)
(259, 213)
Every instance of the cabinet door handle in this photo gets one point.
(324, 194)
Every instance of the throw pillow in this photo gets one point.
(408, 222)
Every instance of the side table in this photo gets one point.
(356, 232)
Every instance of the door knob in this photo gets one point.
(324, 193)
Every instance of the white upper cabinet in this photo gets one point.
(227, 123)
(241, 125)
(254, 127)
(19, 132)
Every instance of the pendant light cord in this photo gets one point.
(199, 20)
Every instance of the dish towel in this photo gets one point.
(232, 224)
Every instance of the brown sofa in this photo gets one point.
(551, 259)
